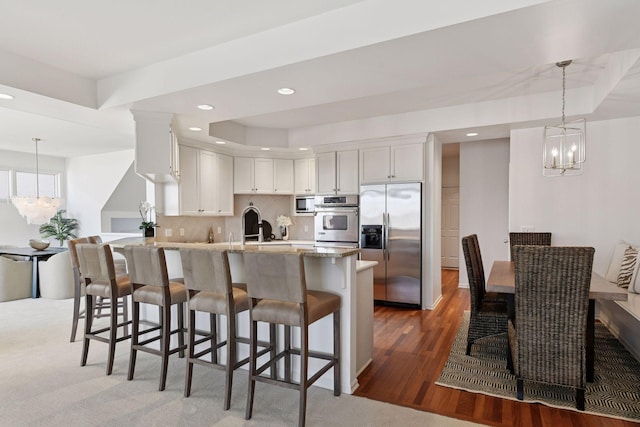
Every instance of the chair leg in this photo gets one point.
(304, 359)
(135, 325)
(76, 304)
(337, 384)
(272, 355)
(580, 399)
(87, 328)
(166, 337)
(469, 344)
(191, 328)
(125, 315)
(181, 345)
(253, 350)
(520, 388)
(231, 358)
(214, 337)
(287, 353)
(113, 332)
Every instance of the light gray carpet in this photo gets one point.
(43, 384)
(614, 391)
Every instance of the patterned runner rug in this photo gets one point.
(615, 391)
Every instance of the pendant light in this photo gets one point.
(37, 210)
(564, 144)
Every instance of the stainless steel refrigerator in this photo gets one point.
(391, 233)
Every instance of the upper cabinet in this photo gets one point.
(252, 175)
(305, 176)
(337, 172)
(282, 176)
(392, 164)
(206, 184)
(156, 147)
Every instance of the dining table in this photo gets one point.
(34, 256)
(502, 280)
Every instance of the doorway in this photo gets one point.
(450, 205)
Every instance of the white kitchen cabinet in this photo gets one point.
(156, 147)
(305, 176)
(337, 172)
(252, 175)
(398, 163)
(205, 182)
(282, 176)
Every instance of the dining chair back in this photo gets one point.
(536, 238)
(547, 340)
(95, 263)
(488, 315)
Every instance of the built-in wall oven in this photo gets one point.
(336, 221)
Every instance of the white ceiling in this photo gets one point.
(76, 68)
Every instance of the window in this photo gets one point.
(26, 184)
(4, 185)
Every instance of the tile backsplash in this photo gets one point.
(196, 228)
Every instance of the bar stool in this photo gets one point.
(210, 290)
(78, 282)
(278, 295)
(150, 285)
(97, 268)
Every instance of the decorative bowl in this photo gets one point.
(39, 245)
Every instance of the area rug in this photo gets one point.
(615, 391)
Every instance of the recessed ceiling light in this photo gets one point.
(205, 107)
(221, 142)
(265, 148)
(472, 134)
(5, 96)
(303, 148)
(195, 128)
(286, 91)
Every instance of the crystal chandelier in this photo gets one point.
(564, 144)
(37, 210)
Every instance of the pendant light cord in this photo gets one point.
(38, 169)
(564, 70)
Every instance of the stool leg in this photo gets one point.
(191, 327)
(304, 358)
(181, 345)
(76, 303)
(231, 358)
(253, 350)
(166, 328)
(213, 327)
(135, 326)
(113, 331)
(337, 384)
(272, 342)
(125, 315)
(87, 328)
(287, 353)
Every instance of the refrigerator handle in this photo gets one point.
(386, 243)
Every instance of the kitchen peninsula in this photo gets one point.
(335, 270)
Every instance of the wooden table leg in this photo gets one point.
(591, 314)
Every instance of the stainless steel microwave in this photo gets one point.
(304, 204)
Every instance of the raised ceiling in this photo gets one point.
(77, 68)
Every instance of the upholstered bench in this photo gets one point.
(623, 317)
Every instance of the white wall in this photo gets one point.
(14, 229)
(484, 199)
(91, 181)
(598, 208)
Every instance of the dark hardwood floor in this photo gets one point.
(411, 348)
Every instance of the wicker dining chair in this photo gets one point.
(533, 238)
(488, 315)
(547, 341)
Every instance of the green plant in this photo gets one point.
(145, 210)
(60, 227)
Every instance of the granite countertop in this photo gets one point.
(280, 246)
